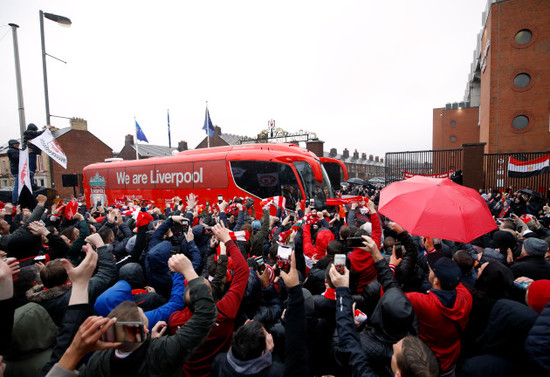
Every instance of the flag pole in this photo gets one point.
(169, 138)
(207, 127)
(135, 134)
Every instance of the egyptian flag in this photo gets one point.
(531, 168)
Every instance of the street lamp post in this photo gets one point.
(21, 108)
(62, 21)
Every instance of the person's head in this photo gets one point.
(247, 227)
(128, 311)
(249, 341)
(256, 225)
(32, 127)
(71, 233)
(494, 280)
(464, 261)
(13, 143)
(538, 295)
(328, 280)
(444, 273)
(107, 235)
(335, 247)
(412, 358)
(53, 274)
(28, 277)
(344, 232)
(534, 247)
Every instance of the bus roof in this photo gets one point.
(267, 151)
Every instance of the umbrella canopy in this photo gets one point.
(357, 181)
(437, 207)
(531, 192)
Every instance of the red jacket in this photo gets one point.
(361, 261)
(439, 326)
(219, 339)
(324, 236)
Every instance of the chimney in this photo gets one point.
(371, 157)
(79, 124)
(129, 140)
(315, 147)
(345, 154)
(382, 160)
(217, 130)
(363, 156)
(356, 155)
(377, 159)
(182, 146)
(333, 152)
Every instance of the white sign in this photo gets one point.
(49, 145)
(24, 176)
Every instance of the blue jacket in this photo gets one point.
(122, 291)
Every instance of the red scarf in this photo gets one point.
(330, 293)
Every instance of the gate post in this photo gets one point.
(472, 165)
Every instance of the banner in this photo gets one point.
(407, 175)
(24, 176)
(47, 143)
(531, 168)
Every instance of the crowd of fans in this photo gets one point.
(196, 290)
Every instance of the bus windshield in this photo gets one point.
(312, 188)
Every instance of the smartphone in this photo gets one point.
(283, 257)
(398, 250)
(354, 242)
(128, 332)
(220, 199)
(340, 263)
(260, 264)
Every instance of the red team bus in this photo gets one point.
(256, 171)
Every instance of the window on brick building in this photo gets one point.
(523, 36)
(520, 122)
(453, 123)
(452, 139)
(522, 80)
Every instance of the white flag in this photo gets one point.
(24, 176)
(49, 145)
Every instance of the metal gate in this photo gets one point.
(421, 162)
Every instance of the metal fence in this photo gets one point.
(496, 172)
(421, 162)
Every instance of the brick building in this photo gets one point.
(506, 104)
(81, 148)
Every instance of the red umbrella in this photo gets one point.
(436, 207)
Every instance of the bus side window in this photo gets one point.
(265, 179)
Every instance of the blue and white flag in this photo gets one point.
(208, 127)
(139, 133)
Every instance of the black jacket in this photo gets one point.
(22, 243)
(56, 299)
(13, 156)
(531, 266)
(537, 345)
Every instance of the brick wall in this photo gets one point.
(452, 128)
(81, 148)
(506, 60)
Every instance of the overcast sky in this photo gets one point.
(360, 74)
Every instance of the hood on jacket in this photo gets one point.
(113, 296)
(33, 332)
(393, 316)
(157, 257)
(324, 236)
(133, 274)
(39, 294)
(461, 308)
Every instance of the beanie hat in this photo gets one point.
(495, 281)
(538, 294)
(13, 141)
(445, 269)
(143, 218)
(535, 246)
(256, 224)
